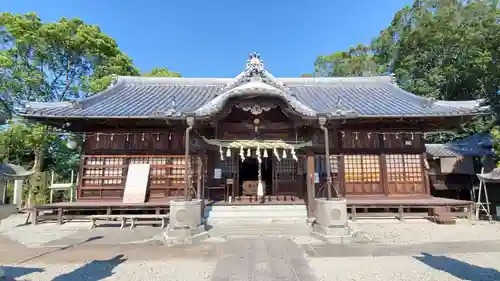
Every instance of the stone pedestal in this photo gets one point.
(185, 226)
(331, 224)
(6, 211)
(18, 191)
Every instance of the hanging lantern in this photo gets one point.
(242, 154)
(249, 153)
(284, 154)
(221, 153)
(265, 153)
(228, 152)
(71, 144)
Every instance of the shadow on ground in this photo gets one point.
(459, 269)
(13, 272)
(94, 270)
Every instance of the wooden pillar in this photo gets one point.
(311, 191)
(199, 171)
(81, 174)
(425, 173)
(384, 180)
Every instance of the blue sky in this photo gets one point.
(213, 38)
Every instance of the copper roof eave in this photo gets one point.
(328, 116)
(253, 88)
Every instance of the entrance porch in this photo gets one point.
(283, 181)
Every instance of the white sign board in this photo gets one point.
(217, 173)
(316, 177)
(137, 183)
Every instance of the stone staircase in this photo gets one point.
(248, 214)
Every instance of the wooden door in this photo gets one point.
(288, 176)
(362, 175)
(405, 174)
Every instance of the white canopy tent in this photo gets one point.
(484, 206)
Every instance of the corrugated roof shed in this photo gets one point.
(475, 145)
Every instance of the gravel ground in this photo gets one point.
(33, 236)
(173, 270)
(475, 267)
(422, 231)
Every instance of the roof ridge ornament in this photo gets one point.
(254, 65)
(254, 72)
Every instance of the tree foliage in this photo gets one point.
(442, 49)
(447, 50)
(162, 72)
(357, 61)
(50, 62)
(55, 61)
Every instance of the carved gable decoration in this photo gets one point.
(254, 80)
(255, 109)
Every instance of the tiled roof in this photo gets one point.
(349, 97)
(475, 145)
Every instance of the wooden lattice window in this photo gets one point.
(286, 168)
(159, 170)
(93, 171)
(165, 170)
(321, 167)
(229, 167)
(113, 171)
(362, 168)
(103, 171)
(404, 168)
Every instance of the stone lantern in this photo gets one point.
(18, 174)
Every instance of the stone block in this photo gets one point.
(185, 214)
(331, 213)
(5, 212)
(335, 235)
(185, 226)
(331, 224)
(185, 236)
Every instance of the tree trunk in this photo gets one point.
(36, 181)
(37, 178)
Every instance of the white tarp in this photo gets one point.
(493, 176)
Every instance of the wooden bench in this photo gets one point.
(133, 219)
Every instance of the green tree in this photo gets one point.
(445, 49)
(51, 62)
(357, 61)
(162, 72)
(55, 61)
